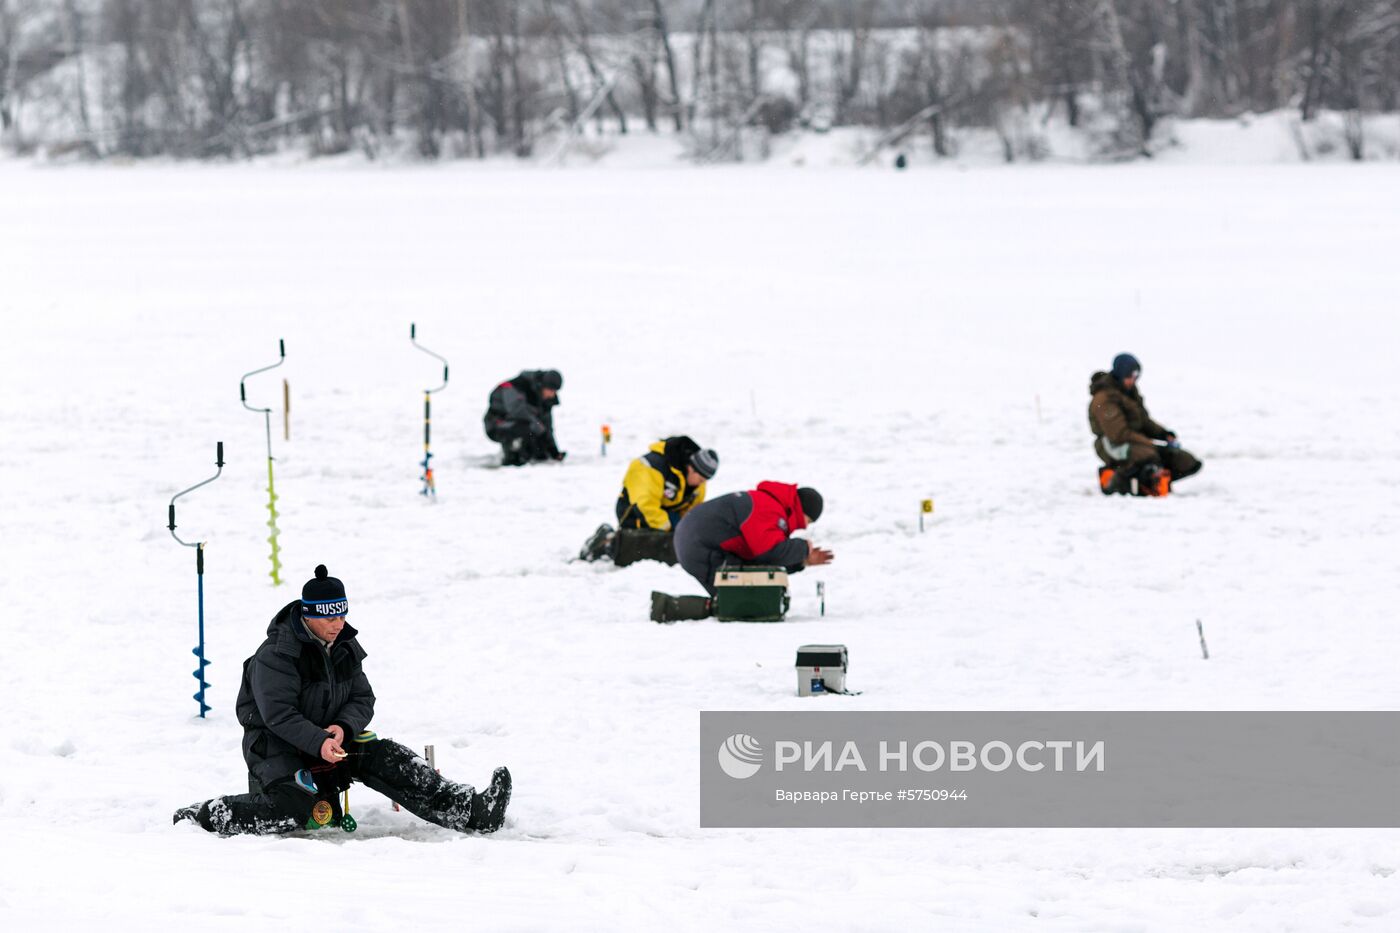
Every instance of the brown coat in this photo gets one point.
(1117, 416)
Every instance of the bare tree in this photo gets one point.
(663, 34)
(858, 17)
(1062, 41)
(204, 78)
(602, 83)
(9, 30)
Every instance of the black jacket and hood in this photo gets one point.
(293, 687)
(522, 400)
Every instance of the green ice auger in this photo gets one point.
(271, 490)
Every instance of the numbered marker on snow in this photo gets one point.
(607, 438)
(821, 595)
(925, 508)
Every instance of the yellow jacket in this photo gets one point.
(654, 491)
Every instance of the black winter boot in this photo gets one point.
(667, 608)
(660, 607)
(488, 809)
(513, 452)
(598, 545)
(191, 813)
(634, 544)
(693, 608)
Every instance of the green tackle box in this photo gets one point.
(751, 594)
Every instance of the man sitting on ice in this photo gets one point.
(1125, 435)
(305, 704)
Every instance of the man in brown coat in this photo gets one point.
(1125, 434)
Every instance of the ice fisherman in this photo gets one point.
(305, 705)
(519, 416)
(658, 490)
(742, 528)
(1127, 440)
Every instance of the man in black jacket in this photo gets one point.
(519, 416)
(305, 704)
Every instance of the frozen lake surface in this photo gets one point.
(884, 337)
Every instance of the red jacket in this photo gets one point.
(776, 514)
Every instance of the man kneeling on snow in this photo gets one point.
(304, 704)
(660, 487)
(1125, 435)
(741, 528)
(520, 417)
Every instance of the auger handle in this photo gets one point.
(413, 338)
(219, 463)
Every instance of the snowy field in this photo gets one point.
(884, 337)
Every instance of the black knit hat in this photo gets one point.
(550, 379)
(1125, 365)
(811, 502)
(706, 462)
(323, 596)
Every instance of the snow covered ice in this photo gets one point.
(884, 337)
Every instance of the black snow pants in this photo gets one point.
(521, 443)
(698, 557)
(382, 765)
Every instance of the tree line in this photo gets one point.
(471, 78)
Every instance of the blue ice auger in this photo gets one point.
(199, 570)
(271, 493)
(429, 485)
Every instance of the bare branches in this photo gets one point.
(443, 78)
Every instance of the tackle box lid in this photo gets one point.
(821, 656)
(752, 576)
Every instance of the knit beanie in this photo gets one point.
(706, 462)
(323, 596)
(811, 502)
(1125, 365)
